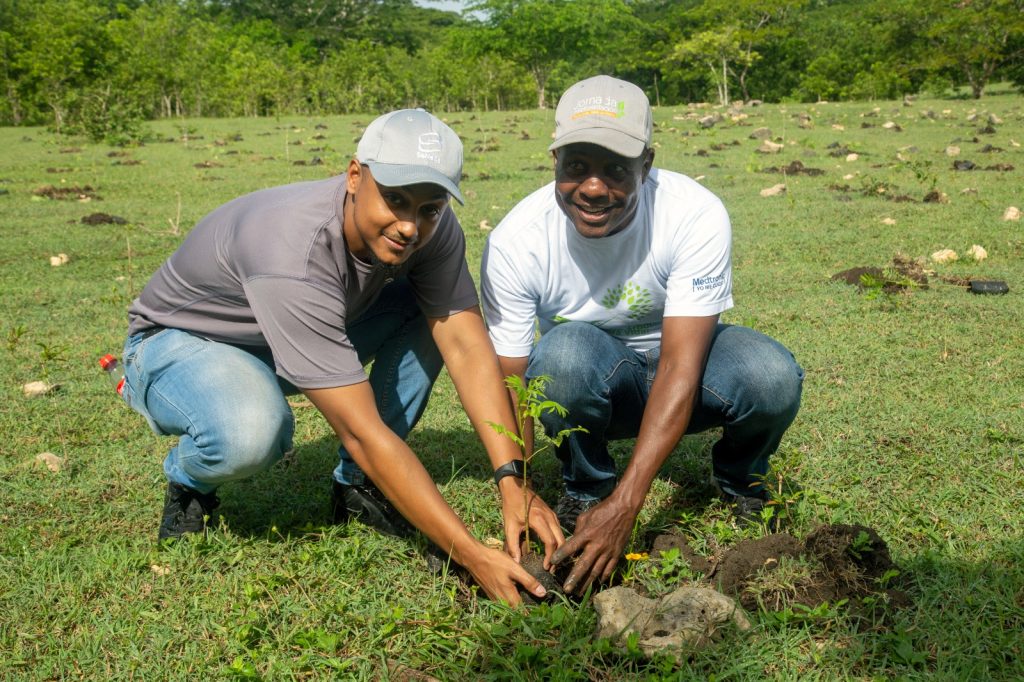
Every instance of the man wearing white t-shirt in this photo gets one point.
(626, 268)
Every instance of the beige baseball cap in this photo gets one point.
(605, 111)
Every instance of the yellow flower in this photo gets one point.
(633, 556)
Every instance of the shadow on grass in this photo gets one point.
(294, 497)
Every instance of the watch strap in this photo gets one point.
(516, 467)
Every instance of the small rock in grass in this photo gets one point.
(1011, 213)
(688, 617)
(945, 256)
(888, 221)
(484, 225)
(952, 150)
(59, 260)
(34, 389)
(852, 156)
(774, 191)
(52, 461)
(157, 569)
(761, 133)
(936, 197)
(769, 147)
(977, 252)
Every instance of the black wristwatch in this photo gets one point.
(516, 467)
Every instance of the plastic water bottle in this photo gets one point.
(114, 372)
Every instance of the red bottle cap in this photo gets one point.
(107, 361)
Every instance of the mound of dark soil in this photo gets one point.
(894, 278)
(795, 168)
(103, 219)
(73, 193)
(834, 563)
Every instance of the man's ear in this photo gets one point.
(648, 162)
(354, 176)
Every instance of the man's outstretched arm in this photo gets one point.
(602, 531)
(392, 466)
(474, 369)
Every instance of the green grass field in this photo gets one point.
(912, 419)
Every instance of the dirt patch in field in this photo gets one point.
(833, 564)
(103, 219)
(904, 273)
(71, 193)
(795, 168)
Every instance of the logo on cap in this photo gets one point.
(599, 106)
(429, 147)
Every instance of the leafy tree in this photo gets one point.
(542, 34)
(974, 38)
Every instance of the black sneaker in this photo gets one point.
(185, 511)
(368, 504)
(569, 509)
(747, 511)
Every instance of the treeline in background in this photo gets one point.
(101, 67)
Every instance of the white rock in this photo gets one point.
(945, 256)
(59, 260)
(952, 150)
(52, 461)
(34, 389)
(852, 156)
(769, 147)
(888, 221)
(484, 225)
(688, 617)
(838, 126)
(1011, 213)
(774, 191)
(977, 252)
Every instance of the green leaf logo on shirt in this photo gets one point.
(636, 298)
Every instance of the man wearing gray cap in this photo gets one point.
(293, 289)
(626, 269)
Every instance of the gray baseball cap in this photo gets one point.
(605, 111)
(410, 146)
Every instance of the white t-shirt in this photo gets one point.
(672, 260)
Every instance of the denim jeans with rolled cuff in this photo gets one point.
(230, 410)
(750, 387)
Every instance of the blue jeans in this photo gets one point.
(230, 410)
(751, 388)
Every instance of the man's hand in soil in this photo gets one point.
(601, 535)
(542, 520)
(499, 576)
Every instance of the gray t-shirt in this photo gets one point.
(271, 270)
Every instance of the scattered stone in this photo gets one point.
(59, 260)
(936, 197)
(209, 164)
(969, 190)
(159, 570)
(707, 121)
(35, 389)
(945, 256)
(1011, 213)
(977, 252)
(484, 225)
(994, 120)
(838, 126)
(852, 156)
(888, 221)
(686, 618)
(103, 219)
(890, 125)
(774, 190)
(952, 150)
(769, 147)
(52, 461)
(964, 165)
